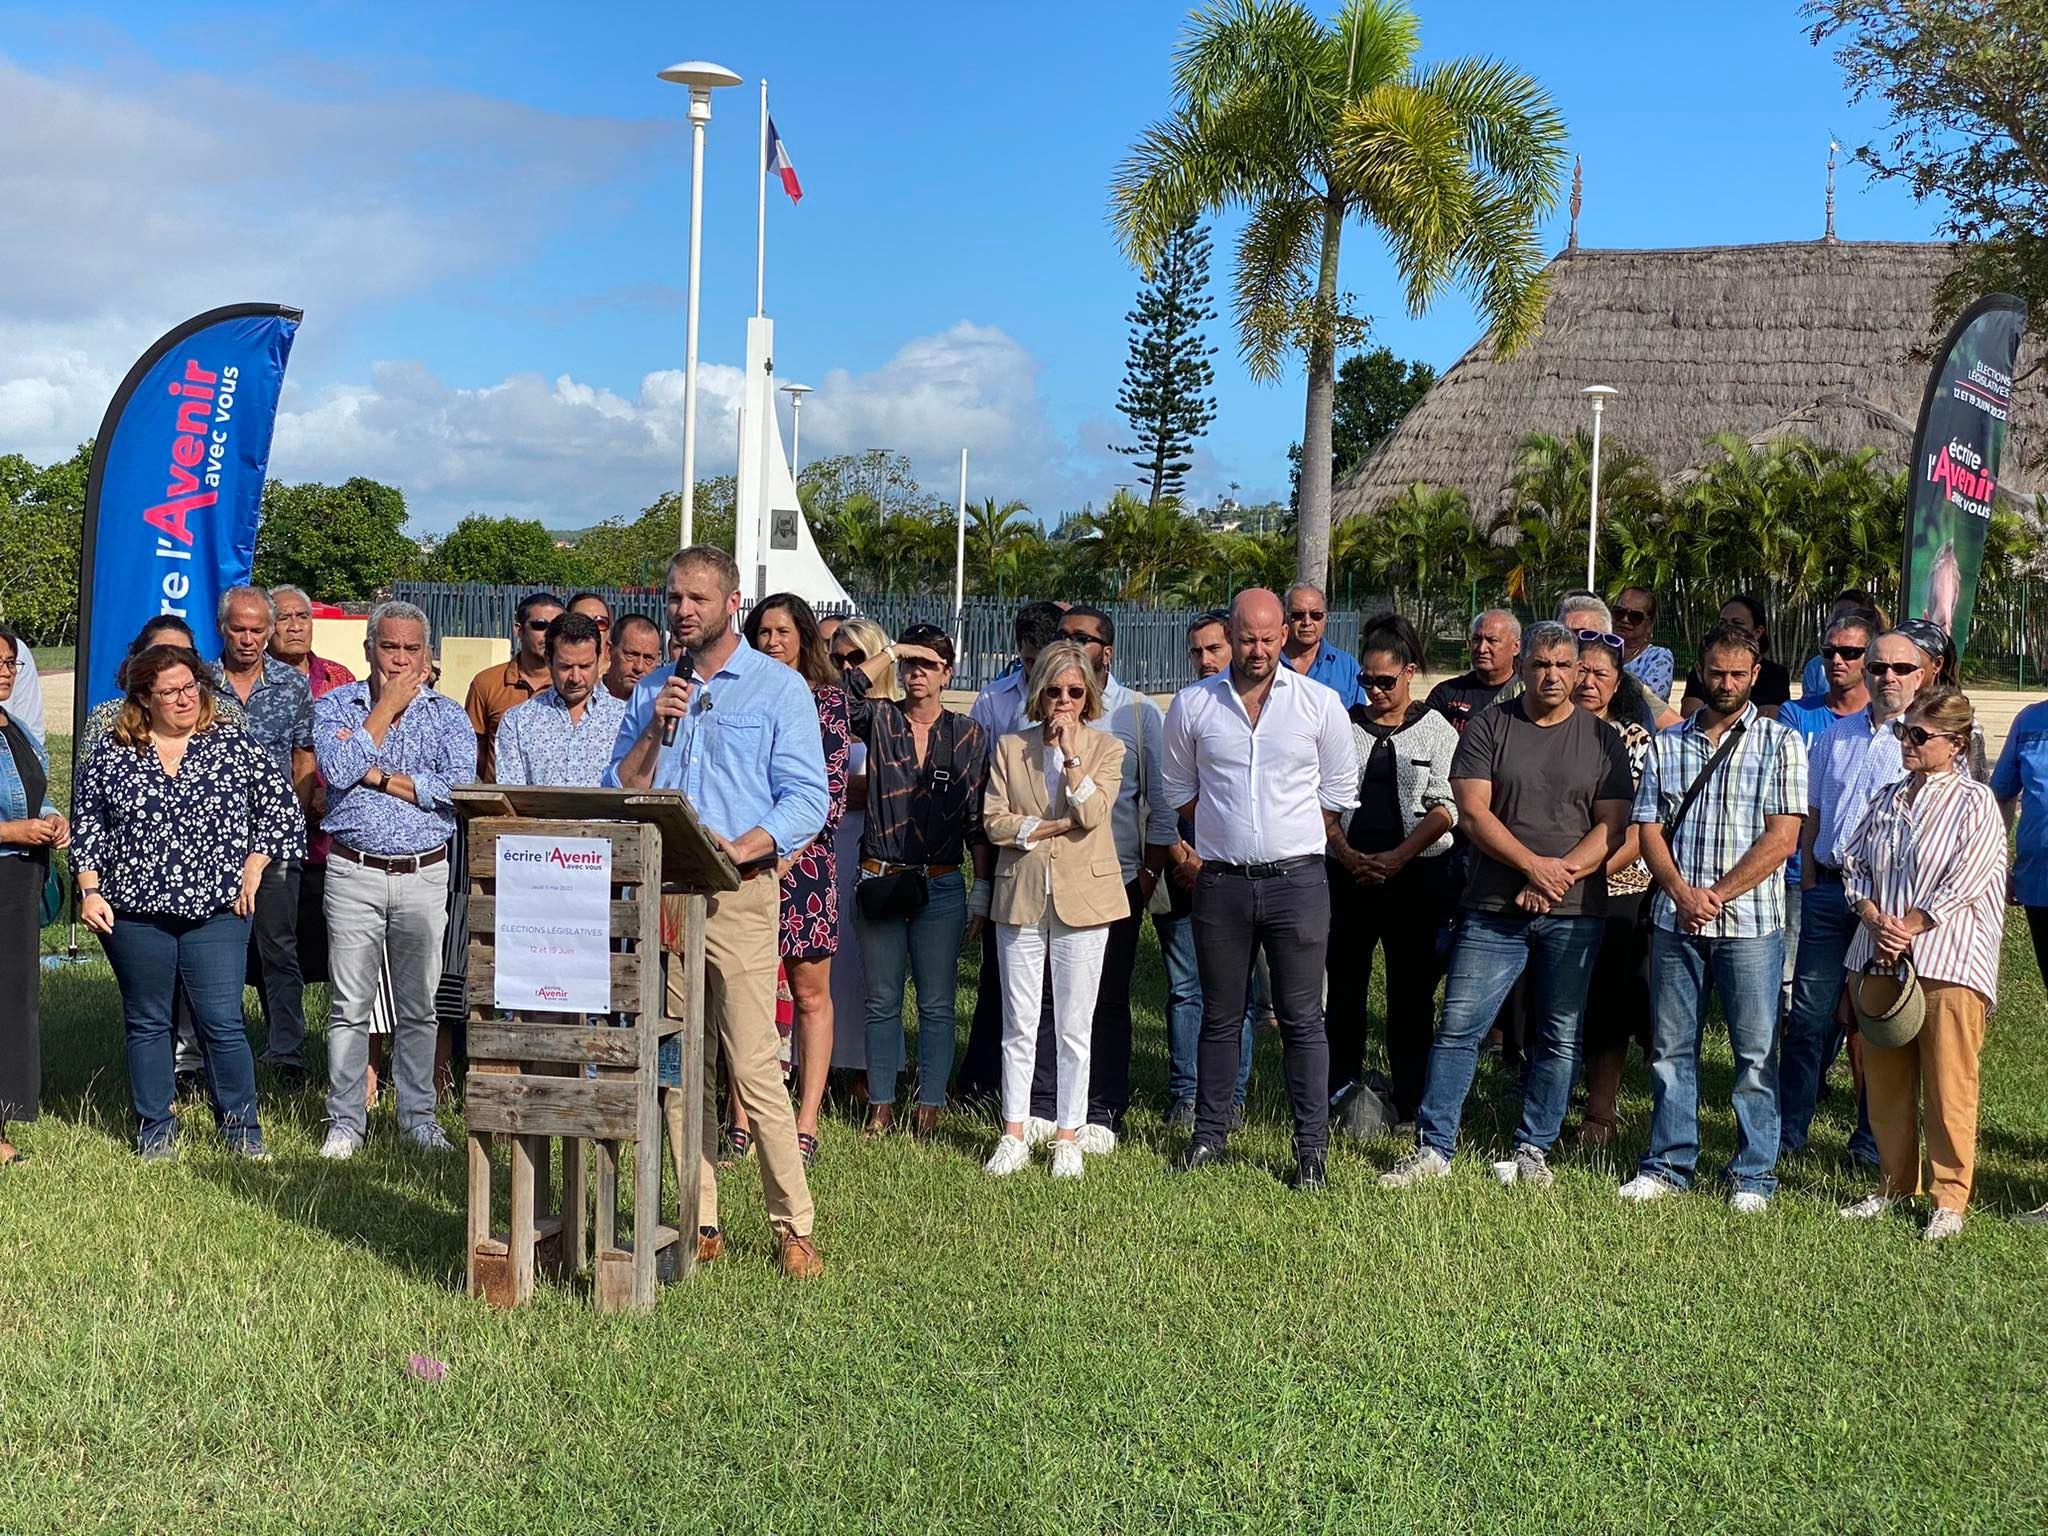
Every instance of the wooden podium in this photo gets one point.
(539, 1077)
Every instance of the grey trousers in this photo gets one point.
(382, 924)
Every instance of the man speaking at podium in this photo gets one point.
(744, 747)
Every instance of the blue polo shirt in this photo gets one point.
(1334, 669)
(2023, 771)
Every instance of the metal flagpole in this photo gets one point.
(960, 548)
(761, 212)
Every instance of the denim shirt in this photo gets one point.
(14, 804)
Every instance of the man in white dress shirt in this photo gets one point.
(1260, 759)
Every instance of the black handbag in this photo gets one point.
(1729, 742)
(904, 892)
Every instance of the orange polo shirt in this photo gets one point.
(493, 693)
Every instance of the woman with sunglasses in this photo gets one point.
(1058, 888)
(1924, 876)
(1618, 996)
(179, 813)
(1390, 877)
(1635, 620)
(927, 768)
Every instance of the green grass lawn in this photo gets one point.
(211, 1346)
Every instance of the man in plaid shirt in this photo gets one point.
(1718, 917)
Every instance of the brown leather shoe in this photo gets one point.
(710, 1244)
(799, 1257)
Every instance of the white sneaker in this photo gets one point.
(428, 1137)
(1944, 1223)
(1037, 1132)
(1644, 1188)
(1419, 1166)
(341, 1144)
(1869, 1208)
(1066, 1160)
(1096, 1140)
(1011, 1153)
(1747, 1202)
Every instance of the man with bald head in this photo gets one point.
(1260, 759)
(1308, 654)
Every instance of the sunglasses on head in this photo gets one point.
(1071, 691)
(1630, 615)
(1843, 652)
(1312, 615)
(1892, 668)
(1590, 636)
(1919, 735)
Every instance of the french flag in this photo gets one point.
(779, 164)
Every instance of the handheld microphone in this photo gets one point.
(687, 671)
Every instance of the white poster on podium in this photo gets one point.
(553, 927)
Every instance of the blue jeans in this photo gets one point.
(1184, 1008)
(1812, 1039)
(152, 957)
(926, 945)
(1747, 973)
(1491, 951)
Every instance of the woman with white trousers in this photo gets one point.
(1058, 888)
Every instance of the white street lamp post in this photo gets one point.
(796, 393)
(1599, 394)
(702, 79)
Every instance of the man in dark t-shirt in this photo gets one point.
(1544, 792)
(1496, 644)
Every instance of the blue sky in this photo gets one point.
(484, 211)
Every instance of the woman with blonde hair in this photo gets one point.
(1924, 875)
(1058, 888)
(851, 642)
(178, 813)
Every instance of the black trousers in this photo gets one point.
(273, 967)
(1403, 915)
(979, 1077)
(2037, 928)
(312, 930)
(1288, 916)
(1109, 1045)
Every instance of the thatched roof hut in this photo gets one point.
(1823, 340)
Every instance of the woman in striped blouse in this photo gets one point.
(1925, 876)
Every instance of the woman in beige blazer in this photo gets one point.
(1058, 887)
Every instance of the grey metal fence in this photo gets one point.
(1151, 643)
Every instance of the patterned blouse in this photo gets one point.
(810, 888)
(914, 815)
(172, 845)
(1636, 878)
(1941, 852)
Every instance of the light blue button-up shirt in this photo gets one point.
(2023, 771)
(432, 743)
(748, 755)
(1136, 721)
(1334, 669)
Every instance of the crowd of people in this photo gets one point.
(1576, 862)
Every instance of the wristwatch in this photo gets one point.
(1072, 762)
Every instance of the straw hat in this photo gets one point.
(1889, 1007)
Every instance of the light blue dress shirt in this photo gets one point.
(748, 755)
(2023, 771)
(1334, 669)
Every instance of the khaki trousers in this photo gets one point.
(1939, 1063)
(739, 1006)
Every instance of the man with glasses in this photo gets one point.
(1852, 760)
(636, 650)
(1496, 645)
(1146, 833)
(1813, 681)
(1308, 654)
(496, 690)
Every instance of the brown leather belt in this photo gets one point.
(933, 871)
(408, 864)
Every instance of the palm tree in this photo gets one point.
(1550, 498)
(1147, 552)
(1307, 126)
(995, 537)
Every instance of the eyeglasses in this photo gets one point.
(1081, 637)
(1843, 652)
(1380, 682)
(9, 666)
(1590, 636)
(1892, 668)
(1631, 615)
(172, 695)
(1919, 735)
(1311, 615)
(1072, 692)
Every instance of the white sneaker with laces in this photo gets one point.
(1096, 1140)
(1747, 1202)
(1869, 1208)
(428, 1137)
(1418, 1167)
(1011, 1153)
(341, 1144)
(1037, 1132)
(1644, 1188)
(1066, 1160)
(1944, 1223)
